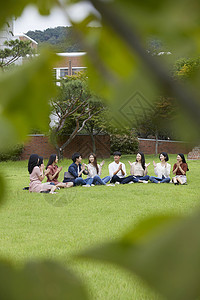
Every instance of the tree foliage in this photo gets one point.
(61, 38)
(187, 68)
(74, 106)
(13, 51)
(126, 143)
(159, 119)
(12, 154)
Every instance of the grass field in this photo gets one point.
(38, 226)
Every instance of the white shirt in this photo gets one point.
(113, 167)
(162, 170)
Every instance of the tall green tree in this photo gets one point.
(72, 108)
(158, 123)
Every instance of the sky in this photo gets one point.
(32, 20)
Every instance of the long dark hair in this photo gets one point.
(183, 159)
(52, 158)
(33, 162)
(40, 161)
(142, 159)
(95, 161)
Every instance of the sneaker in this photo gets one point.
(92, 184)
(86, 185)
(117, 182)
(26, 188)
(144, 181)
(130, 182)
(110, 184)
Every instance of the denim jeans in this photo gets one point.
(81, 181)
(161, 180)
(98, 181)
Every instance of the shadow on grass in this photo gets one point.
(62, 198)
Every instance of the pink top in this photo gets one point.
(35, 183)
(53, 170)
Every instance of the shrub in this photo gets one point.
(126, 144)
(12, 154)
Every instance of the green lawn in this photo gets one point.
(37, 226)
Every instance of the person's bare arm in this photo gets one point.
(132, 168)
(123, 173)
(41, 177)
(182, 171)
(100, 167)
(145, 171)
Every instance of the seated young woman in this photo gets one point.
(138, 170)
(162, 169)
(94, 170)
(52, 173)
(179, 169)
(37, 175)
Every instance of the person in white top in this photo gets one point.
(117, 170)
(162, 169)
(138, 170)
(94, 170)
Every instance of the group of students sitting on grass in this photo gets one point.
(117, 172)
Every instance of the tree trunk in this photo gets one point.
(156, 146)
(93, 143)
(54, 142)
(59, 153)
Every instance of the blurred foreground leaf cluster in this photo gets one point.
(163, 251)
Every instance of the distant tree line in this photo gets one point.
(63, 39)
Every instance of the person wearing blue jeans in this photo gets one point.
(81, 181)
(159, 180)
(98, 181)
(76, 170)
(94, 171)
(162, 169)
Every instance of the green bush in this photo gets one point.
(12, 154)
(126, 144)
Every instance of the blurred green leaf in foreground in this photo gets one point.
(25, 95)
(41, 281)
(120, 67)
(163, 251)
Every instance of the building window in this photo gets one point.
(63, 72)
